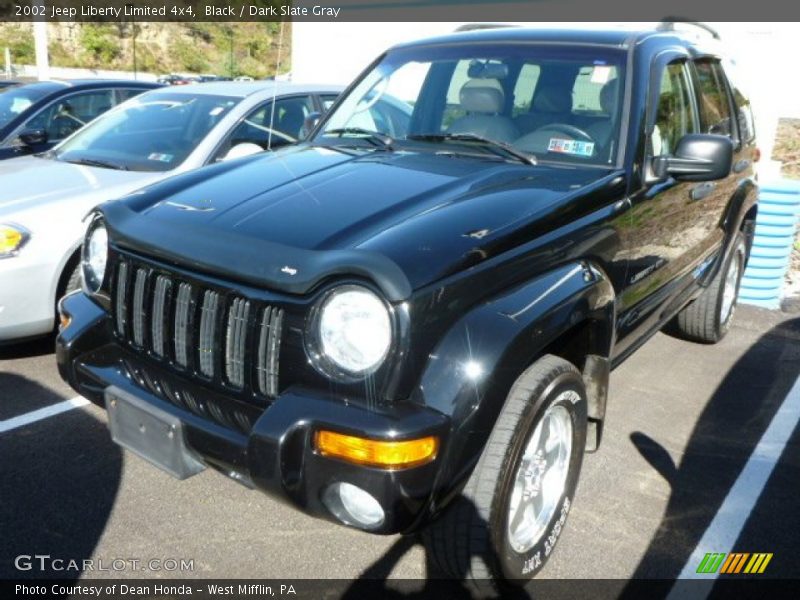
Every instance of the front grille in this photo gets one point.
(214, 333)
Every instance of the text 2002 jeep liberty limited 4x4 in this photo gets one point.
(408, 321)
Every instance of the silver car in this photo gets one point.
(44, 198)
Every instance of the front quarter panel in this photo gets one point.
(472, 369)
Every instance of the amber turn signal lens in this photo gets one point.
(377, 453)
(65, 320)
(10, 240)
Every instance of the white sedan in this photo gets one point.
(43, 199)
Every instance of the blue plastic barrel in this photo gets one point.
(778, 211)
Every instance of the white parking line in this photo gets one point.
(724, 530)
(42, 413)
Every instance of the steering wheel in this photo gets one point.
(570, 130)
(538, 141)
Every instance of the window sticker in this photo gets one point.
(600, 74)
(575, 147)
(160, 157)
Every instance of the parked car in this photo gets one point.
(36, 116)
(152, 137)
(415, 331)
(175, 80)
(6, 83)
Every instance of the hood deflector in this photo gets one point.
(253, 261)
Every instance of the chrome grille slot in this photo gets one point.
(121, 302)
(182, 307)
(160, 300)
(208, 331)
(235, 340)
(139, 307)
(269, 350)
(231, 341)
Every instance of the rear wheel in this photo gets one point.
(513, 508)
(708, 318)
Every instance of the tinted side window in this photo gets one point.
(124, 94)
(328, 100)
(287, 121)
(674, 114)
(715, 114)
(586, 92)
(64, 117)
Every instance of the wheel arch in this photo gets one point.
(568, 312)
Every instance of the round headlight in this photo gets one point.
(95, 256)
(354, 330)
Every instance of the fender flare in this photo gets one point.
(473, 367)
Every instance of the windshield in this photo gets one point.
(551, 103)
(152, 132)
(16, 100)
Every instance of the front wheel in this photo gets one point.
(514, 506)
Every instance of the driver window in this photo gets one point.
(64, 117)
(674, 114)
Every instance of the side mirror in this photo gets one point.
(240, 150)
(309, 123)
(698, 157)
(33, 137)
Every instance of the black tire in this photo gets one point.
(703, 320)
(471, 539)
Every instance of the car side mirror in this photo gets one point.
(33, 137)
(309, 123)
(698, 157)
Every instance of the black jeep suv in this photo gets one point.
(408, 324)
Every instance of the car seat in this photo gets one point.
(483, 100)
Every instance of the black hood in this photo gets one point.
(293, 218)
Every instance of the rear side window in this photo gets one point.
(742, 108)
(588, 84)
(715, 111)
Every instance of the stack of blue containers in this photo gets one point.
(778, 211)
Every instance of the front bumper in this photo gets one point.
(268, 448)
(27, 292)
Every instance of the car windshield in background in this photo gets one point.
(548, 103)
(16, 100)
(154, 132)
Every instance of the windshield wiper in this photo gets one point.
(497, 148)
(376, 138)
(93, 162)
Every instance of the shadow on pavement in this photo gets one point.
(58, 481)
(721, 443)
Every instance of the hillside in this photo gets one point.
(160, 47)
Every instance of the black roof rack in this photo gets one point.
(668, 24)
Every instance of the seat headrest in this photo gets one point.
(482, 96)
(553, 100)
(608, 95)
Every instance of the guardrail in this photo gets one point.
(778, 211)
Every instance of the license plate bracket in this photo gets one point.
(151, 433)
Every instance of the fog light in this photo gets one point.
(354, 506)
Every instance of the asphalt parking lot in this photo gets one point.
(683, 423)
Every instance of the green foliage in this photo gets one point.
(101, 43)
(20, 42)
(192, 47)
